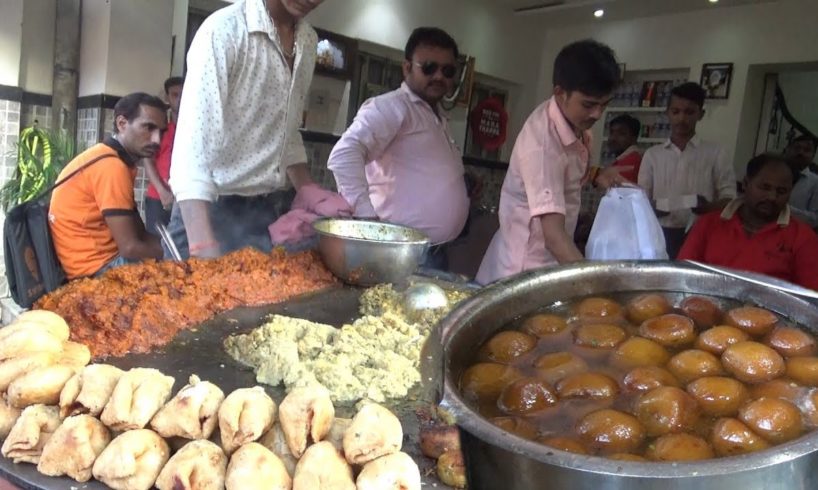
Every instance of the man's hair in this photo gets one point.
(429, 36)
(128, 106)
(691, 91)
(629, 122)
(805, 137)
(172, 82)
(587, 66)
(758, 162)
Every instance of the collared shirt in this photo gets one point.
(786, 248)
(804, 198)
(242, 106)
(82, 239)
(163, 159)
(702, 168)
(632, 157)
(545, 176)
(399, 162)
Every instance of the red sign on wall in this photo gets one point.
(489, 123)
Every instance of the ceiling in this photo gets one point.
(573, 11)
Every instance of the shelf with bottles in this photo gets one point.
(638, 94)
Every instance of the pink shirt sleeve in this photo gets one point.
(375, 126)
(543, 176)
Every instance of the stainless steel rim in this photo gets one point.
(317, 227)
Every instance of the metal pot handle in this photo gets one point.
(761, 280)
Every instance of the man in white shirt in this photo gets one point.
(804, 197)
(685, 165)
(249, 70)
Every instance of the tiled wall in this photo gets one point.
(87, 127)
(31, 113)
(9, 135)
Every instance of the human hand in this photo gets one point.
(611, 177)
(166, 197)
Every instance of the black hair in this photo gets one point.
(587, 66)
(758, 162)
(691, 91)
(429, 36)
(129, 106)
(629, 122)
(805, 137)
(172, 82)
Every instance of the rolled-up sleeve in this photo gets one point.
(201, 121)
(725, 176)
(375, 126)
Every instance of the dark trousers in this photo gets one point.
(237, 221)
(155, 213)
(674, 239)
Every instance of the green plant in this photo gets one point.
(41, 156)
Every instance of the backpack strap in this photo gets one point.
(75, 172)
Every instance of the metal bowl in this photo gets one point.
(497, 459)
(365, 253)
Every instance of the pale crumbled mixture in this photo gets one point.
(377, 357)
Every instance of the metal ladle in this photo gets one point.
(423, 296)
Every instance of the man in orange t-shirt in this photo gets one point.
(93, 216)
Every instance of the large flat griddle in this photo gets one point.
(199, 351)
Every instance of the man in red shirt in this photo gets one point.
(159, 198)
(623, 132)
(757, 232)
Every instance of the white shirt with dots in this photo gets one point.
(241, 106)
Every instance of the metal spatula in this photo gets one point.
(168, 241)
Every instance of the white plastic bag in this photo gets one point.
(626, 228)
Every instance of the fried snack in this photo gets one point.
(138, 395)
(89, 390)
(74, 354)
(15, 367)
(192, 413)
(199, 465)
(8, 417)
(321, 468)
(41, 385)
(393, 472)
(306, 414)
(132, 461)
(244, 416)
(26, 321)
(375, 432)
(74, 447)
(253, 466)
(28, 340)
(141, 306)
(30, 433)
(275, 441)
(451, 469)
(336, 432)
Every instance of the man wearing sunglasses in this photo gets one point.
(398, 162)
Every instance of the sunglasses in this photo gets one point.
(429, 68)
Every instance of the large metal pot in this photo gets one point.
(499, 460)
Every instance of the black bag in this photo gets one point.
(32, 266)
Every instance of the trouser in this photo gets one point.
(113, 264)
(155, 212)
(674, 239)
(237, 221)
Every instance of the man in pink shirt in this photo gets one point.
(398, 162)
(540, 198)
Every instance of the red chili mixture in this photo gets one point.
(137, 307)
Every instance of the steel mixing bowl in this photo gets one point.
(365, 253)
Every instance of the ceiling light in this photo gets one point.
(714, 1)
(599, 12)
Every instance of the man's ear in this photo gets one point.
(701, 116)
(407, 68)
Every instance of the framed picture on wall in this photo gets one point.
(716, 79)
(336, 55)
